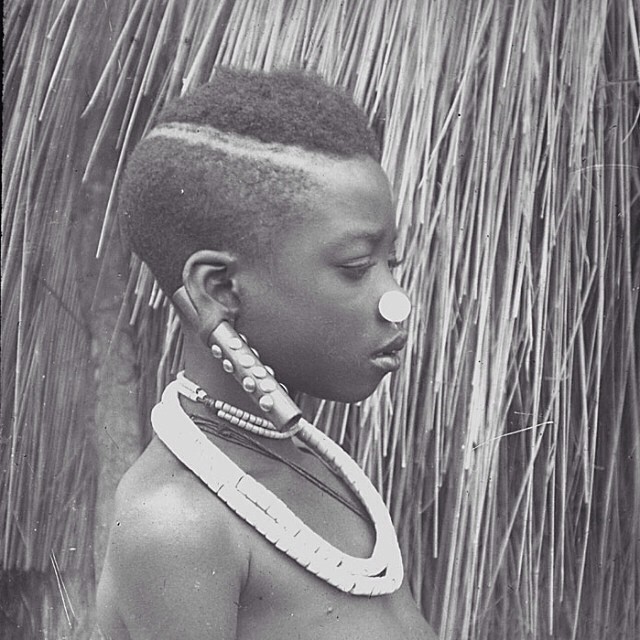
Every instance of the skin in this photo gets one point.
(180, 564)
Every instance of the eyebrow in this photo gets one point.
(372, 237)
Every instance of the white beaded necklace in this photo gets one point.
(382, 573)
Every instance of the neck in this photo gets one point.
(203, 369)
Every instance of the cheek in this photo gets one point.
(308, 323)
(332, 321)
(321, 350)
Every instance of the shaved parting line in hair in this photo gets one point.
(239, 145)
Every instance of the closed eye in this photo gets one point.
(357, 270)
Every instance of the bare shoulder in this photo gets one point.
(176, 561)
(166, 507)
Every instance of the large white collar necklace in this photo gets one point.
(382, 573)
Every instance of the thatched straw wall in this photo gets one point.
(507, 447)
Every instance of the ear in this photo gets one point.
(210, 287)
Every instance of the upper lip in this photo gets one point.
(394, 345)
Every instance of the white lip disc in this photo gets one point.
(394, 306)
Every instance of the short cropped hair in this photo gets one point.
(205, 176)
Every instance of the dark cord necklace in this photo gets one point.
(228, 433)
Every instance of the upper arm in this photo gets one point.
(177, 569)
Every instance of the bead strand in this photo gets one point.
(233, 415)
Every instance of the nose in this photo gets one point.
(394, 306)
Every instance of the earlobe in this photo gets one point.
(209, 279)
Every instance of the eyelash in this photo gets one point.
(359, 270)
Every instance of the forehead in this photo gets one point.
(352, 202)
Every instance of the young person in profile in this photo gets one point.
(259, 204)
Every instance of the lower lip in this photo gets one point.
(387, 362)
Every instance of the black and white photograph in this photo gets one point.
(320, 320)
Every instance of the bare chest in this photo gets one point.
(298, 605)
(281, 599)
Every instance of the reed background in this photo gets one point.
(507, 446)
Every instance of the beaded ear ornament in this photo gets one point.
(381, 573)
